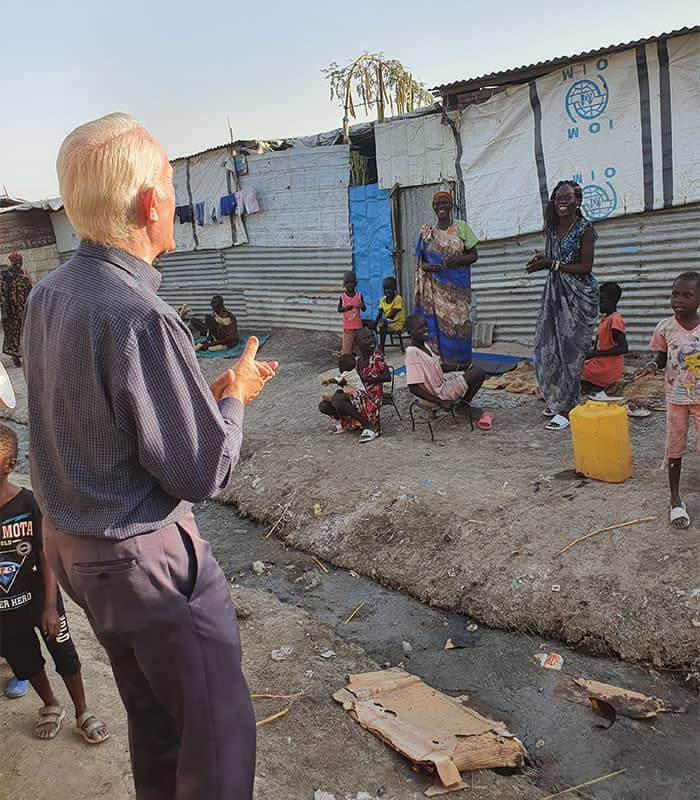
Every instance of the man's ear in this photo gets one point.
(148, 205)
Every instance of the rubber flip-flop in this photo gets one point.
(603, 397)
(557, 423)
(549, 413)
(485, 422)
(368, 435)
(637, 411)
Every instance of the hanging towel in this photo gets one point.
(184, 214)
(240, 205)
(251, 201)
(227, 204)
(199, 213)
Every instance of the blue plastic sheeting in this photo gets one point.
(372, 242)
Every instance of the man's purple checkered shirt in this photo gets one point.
(124, 433)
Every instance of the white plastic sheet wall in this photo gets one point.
(641, 252)
(302, 192)
(415, 151)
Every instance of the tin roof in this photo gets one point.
(525, 73)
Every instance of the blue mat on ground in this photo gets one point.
(491, 363)
(231, 352)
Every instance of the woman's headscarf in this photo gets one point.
(443, 196)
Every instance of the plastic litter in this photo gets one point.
(281, 653)
(550, 660)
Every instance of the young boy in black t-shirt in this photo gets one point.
(29, 599)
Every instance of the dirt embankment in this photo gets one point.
(475, 521)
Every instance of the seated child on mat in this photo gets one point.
(30, 599)
(603, 366)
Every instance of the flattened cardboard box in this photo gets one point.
(428, 727)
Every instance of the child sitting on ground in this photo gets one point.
(348, 379)
(29, 599)
(676, 341)
(350, 305)
(390, 317)
(603, 366)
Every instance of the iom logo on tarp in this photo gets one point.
(599, 198)
(587, 98)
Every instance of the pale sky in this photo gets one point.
(181, 68)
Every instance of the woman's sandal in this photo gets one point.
(92, 729)
(680, 512)
(557, 423)
(549, 413)
(50, 719)
(368, 435)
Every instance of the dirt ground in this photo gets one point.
(474, 521)
(297, 754)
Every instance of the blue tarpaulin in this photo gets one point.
(372, 242)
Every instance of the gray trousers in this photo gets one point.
(159, 605)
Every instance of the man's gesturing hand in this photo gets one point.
(247, 377)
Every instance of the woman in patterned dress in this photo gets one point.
(14, 291)
(445, 252)
(360, 409)
(569, 310)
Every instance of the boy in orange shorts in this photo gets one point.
(677, 342)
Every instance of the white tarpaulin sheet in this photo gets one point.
(625, 126)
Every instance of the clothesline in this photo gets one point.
(204, 212)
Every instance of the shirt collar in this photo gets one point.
(141, 270)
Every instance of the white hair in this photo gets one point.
(103, 166)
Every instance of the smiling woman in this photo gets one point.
(569, 309)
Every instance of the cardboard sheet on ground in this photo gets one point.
(428, 727)
(624, 702)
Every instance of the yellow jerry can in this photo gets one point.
(601, 441)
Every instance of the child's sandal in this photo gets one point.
(49, 724)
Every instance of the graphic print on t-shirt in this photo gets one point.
(21, 588)
(12, 559)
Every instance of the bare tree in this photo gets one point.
(374, 81)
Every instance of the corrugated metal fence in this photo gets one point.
(264, 286)
(641, 252)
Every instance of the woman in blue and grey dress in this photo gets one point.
(569, 311)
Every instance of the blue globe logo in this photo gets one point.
(587, 99)
(598, 202)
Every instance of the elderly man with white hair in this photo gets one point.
(125, 435)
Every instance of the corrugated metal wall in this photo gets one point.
(265, 287)
(415, 210)
(642, 252)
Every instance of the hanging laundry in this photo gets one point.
(199, 213)
(240, 205)
(230, 164)
(212, 212)
(184, 214)
(227, 204)
(241, 163)
(251, 201)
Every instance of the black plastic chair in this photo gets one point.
(400, 336)
(434, 416)
(389, 399)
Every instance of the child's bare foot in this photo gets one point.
(679, 516)
(92, 729)
(49, 724)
